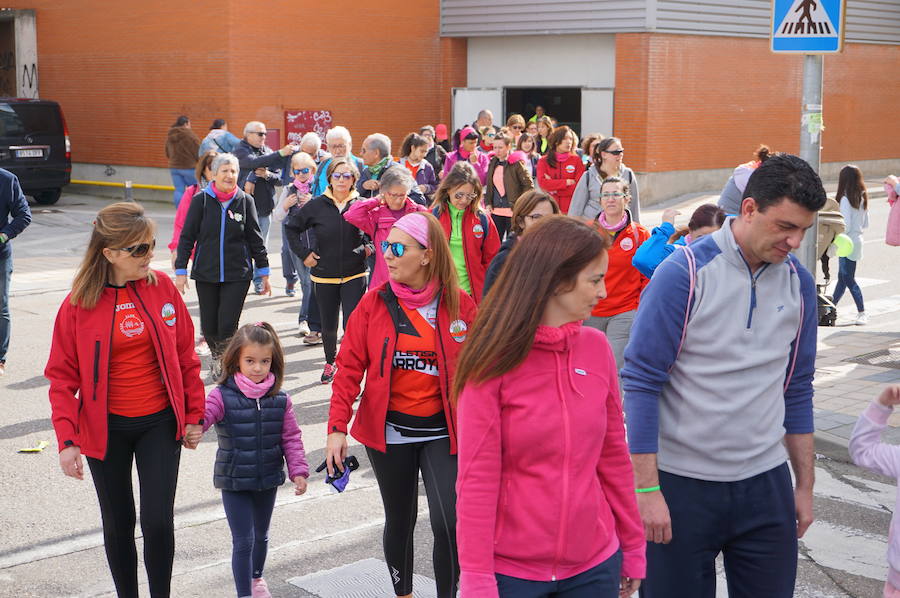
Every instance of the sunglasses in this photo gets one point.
(301, 170)
(398, 249)
(342, 175)
(139, 250)
(617, 152)
(464, 195)
(260, 133)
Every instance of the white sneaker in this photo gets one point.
(303, 329)
(862, 319)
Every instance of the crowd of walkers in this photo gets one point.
(504, 310)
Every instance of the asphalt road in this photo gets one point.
(50, 538)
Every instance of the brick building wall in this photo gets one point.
(700, 102)
(124, 71)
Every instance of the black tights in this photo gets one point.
(397, 472)
(221, 304)
(150, 441)
(333, 299)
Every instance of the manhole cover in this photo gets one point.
(885, 358)
(363, 579)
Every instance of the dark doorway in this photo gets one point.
(561, 103)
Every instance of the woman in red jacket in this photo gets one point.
(125, 386)
(559, 170)
(473, 237)
(404, 336)
(546, 496)
(614, 315)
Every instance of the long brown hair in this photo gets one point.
(116, 226)
(441, 266)
(851, 186)
(261, 333)
(460, 174)
(559, 135)
(546, 260)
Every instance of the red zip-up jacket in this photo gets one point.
(368, 349)
(556, 185)
(78, 365)
(479, 245)
(625, 283)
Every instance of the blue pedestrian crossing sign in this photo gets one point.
(807, 26)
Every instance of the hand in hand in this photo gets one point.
(669, 214)
(311, 260)
(300, 483)
(890, 396)
(181, 283)
(193, 433)
(70, 462)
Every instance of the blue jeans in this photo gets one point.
(601, 581)
(264, 223)
(249, 514)
(301, 275)
(847, 280)
(181, 178)
(5, 277)
(751, 522)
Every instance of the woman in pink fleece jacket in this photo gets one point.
(868, 451)
(546, 503)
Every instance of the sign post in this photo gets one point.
(813, 28)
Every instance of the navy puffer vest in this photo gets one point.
(250, 456)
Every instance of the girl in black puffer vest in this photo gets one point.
(257, 433)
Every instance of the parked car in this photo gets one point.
(34, 145)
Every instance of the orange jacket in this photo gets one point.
(624, 282)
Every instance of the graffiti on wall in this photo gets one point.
(29, 81)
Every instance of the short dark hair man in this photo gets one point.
(718, 381)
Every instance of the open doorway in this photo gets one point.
(561, 103)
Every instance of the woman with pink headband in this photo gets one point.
(404, 337)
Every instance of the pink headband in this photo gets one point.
(416, 226)
(466, 131)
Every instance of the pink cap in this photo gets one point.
(416, 226)
(440, 132)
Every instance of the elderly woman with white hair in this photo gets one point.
(340, 145)
(222, 230)
(376, 216)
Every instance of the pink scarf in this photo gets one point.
(251, 389)
(415, 298)
(463, 153)
(615, 227)
(562, 156)
(302, 188)
(223, 197)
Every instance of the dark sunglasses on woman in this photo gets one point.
(301, 170)
(398, 249)
(140, 250)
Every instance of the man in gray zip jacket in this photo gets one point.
(717, 382)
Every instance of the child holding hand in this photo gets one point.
(257, 433)
(867, 450)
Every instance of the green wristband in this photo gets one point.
(650, 489)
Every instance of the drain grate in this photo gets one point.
(367, 578)
(885, 358)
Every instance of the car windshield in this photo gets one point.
(18, 120)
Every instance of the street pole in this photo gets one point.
(810, 143)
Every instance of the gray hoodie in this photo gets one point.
(586, 198)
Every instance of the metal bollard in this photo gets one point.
(129, 194)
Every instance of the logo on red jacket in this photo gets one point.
(458, 330)
(478, 231)
(570, 169)
(627, 244)
(131, 326)
(168, 314)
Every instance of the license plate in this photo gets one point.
(29, 153)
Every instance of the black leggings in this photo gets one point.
(332, 299)
(151, 442)
(502, 223)
(397, 472)
(221, 304)
(249, 514)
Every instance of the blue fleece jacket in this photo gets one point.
(719, 409)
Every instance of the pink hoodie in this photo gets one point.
(867, 450)
(545, 488)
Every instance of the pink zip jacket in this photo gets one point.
(291, 439)
(545, 488)
(867, 450)
(374, 218)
